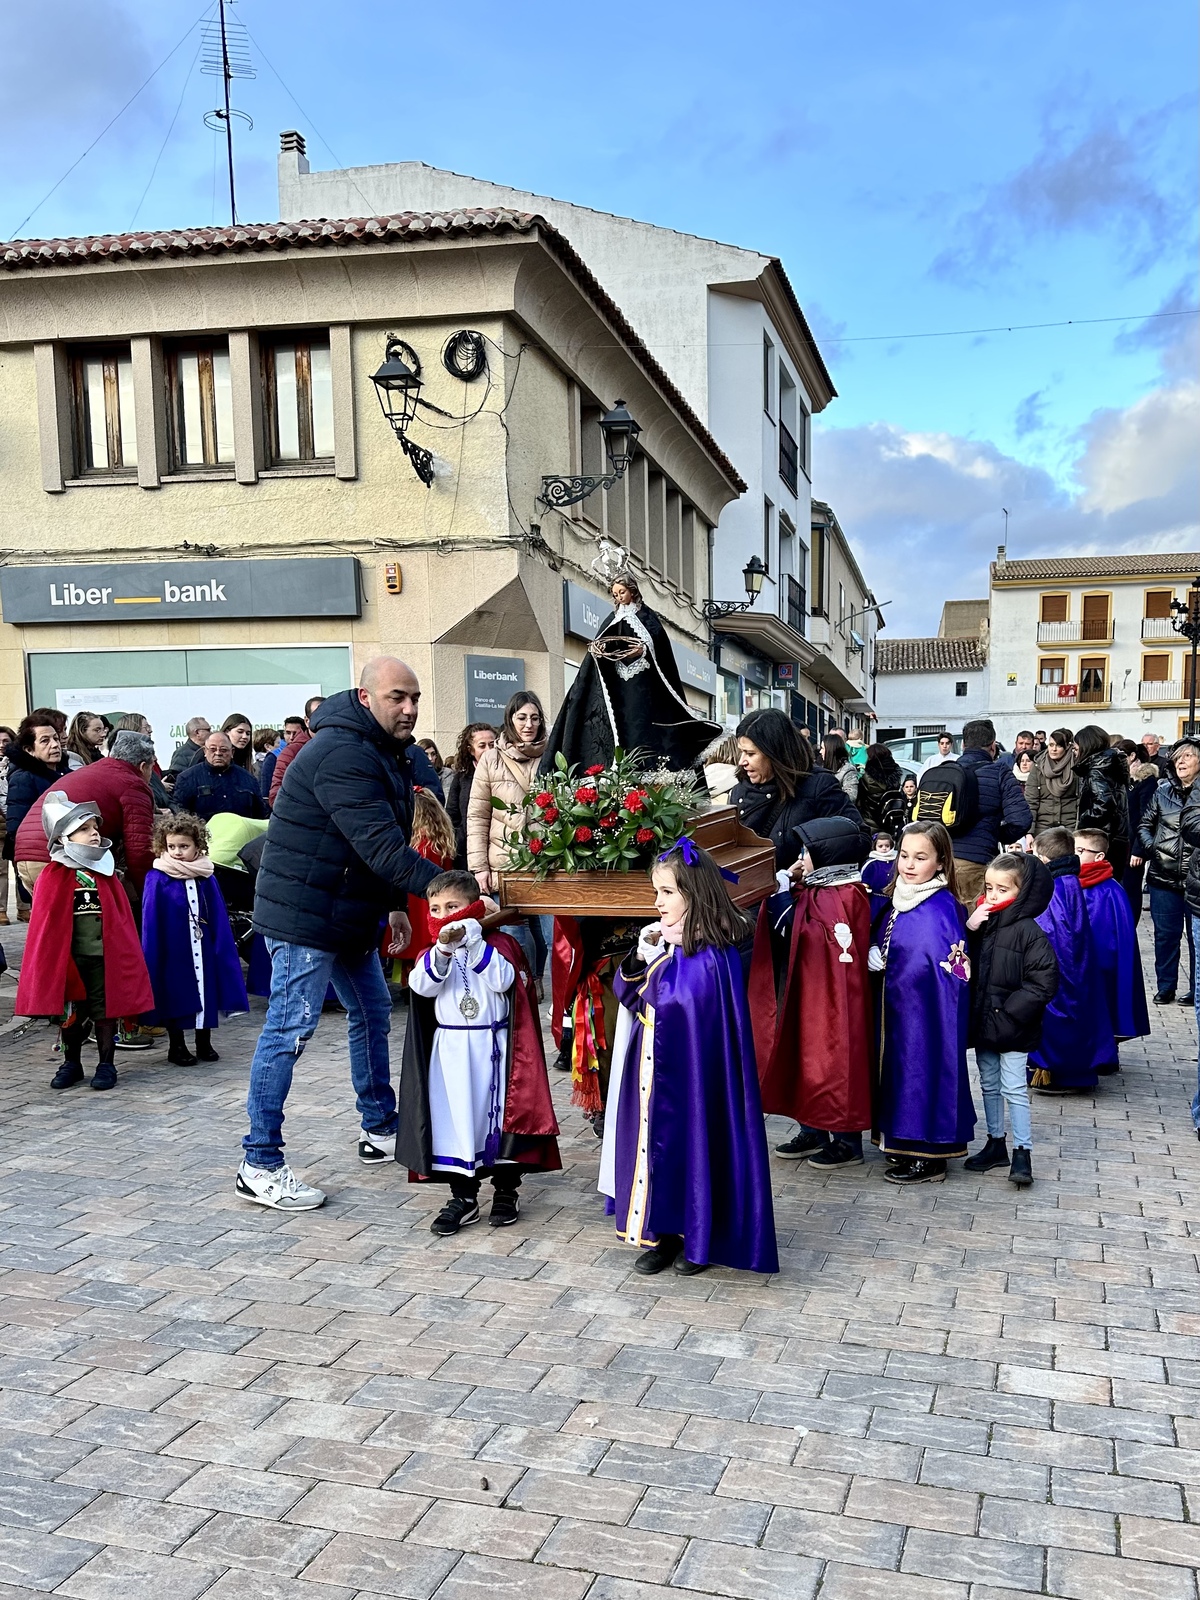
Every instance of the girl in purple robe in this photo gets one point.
(685, 1152)
(1077, 1043)
(925, 1114)
(1114, 933)
(187, 940)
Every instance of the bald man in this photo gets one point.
(337, 862)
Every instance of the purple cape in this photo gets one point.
(708, 1171)
(166, 945)
(925, 1105)
(1114, 937)
(1077, 1037)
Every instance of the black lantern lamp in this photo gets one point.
(620, 434)
(398, 385)
(1185, 619)
(753, 574)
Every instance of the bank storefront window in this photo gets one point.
(169, 686)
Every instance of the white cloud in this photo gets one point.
(1142, 453)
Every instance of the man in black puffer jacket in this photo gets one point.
(1014, 976)
(337, 862)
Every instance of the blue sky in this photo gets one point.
(917, 168)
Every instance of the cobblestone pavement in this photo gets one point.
(950, 1394)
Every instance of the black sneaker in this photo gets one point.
(918, 1170)
(659, 1257)
(376, 1148)
(837, 1154)
(506, 1208)
(106, 1076)
(69, 1074)
(455, 1214)
(993, 1154)
(804, 1144)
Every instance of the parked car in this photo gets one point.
(912, 754)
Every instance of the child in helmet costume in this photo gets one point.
(83, 960)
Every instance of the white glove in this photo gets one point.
(876, 961)
(650, 945)
(783, 882)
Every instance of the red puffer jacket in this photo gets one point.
(126, 814)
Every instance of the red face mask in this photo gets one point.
(475, 912)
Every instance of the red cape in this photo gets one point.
(49, 978)
(814, 1048)
(530, 1128)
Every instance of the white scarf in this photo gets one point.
(908, 896)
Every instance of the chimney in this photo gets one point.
(1001, 556)
(293, 152)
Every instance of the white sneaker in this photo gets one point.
(374, 1148)
(278, 1187)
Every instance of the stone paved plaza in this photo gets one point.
(954, 1393)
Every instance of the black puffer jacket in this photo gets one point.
(337, 857)
(763, 810)
(1104, 798)
(458, 798)
(28, 780)
(1189, 832)
(1014, 973)
(1160, 839)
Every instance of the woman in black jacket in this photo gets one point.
(880, 791)
(475, 738)
(35, 760)
(782, 789)
(1103, 775)
(1014, 976)
(1162, 843)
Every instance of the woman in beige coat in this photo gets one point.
(507, 772)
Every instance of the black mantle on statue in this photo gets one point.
(632, 706)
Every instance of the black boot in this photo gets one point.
(562, 1061)
(204, 1049)
(70, 1071)
(921, 1169)
(993, 1154)
(1021, 1171)
(179, 1055)
(106, 1072)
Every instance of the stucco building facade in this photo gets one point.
(195, 409)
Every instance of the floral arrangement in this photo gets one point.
(613, 818)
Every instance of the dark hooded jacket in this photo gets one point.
(28, 780)
(832, 842)
(763, 809)
(337, 857)
(1014, 973)
(1104, 800)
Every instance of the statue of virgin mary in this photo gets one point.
(628, 694)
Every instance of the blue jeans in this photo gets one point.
(300, 976)
(1168, 912)
(1002, 1078)
(1195, 932)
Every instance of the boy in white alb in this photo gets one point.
(469, 982)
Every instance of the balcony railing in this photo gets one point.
(789, 459)
(1096, 630)
(796, 604)
(1169, 692)
(1158, 628)
(1069, 694)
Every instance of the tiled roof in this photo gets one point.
(929, 655)
(408, 227)
(1152, 566)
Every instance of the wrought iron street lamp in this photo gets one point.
(753, 574)
(1185, 620)
(398, 385)
(620, 434)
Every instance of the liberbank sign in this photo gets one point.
(127, 591)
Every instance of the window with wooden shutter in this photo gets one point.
(1054, 607)
(1158, 603)
(1095, 616)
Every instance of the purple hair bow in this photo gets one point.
(691, 857)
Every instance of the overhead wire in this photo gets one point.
(166, 139)
(110, 123)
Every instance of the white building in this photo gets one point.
(1078, 639)
(726, 324)
(924, 687)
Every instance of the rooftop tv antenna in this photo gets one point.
(227, 56)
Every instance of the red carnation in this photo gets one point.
(584, 836)
(543, 799)
(550, 814)
(609, 821)
(644, 836)
(635, 801)
(586, 795)
(593, 772)
(536, 846)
